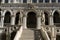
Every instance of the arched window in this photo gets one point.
(24, 1)
(17, 18)
(40, 1)
(31, 20)
(58, 0)
(34, 1)
(46, 18)
(56, 18)
(47, 1)
(53, 0)
(0, 1)
(6, 1)
(7, 18)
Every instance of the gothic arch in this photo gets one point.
(46, 18)
(6, 11)
(56, 18)
(31, 20)
(7, 18)
(17, 18)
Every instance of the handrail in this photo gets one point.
(19, 33)
(44, 34)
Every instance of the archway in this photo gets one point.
(6, 1)
(7, 18)
(56, 18)
(31, 20)
(57, 37)
(46, 18)
(17, 18)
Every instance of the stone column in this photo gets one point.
(21, 17)
(2, 20)
(24, 21)
(56, 1)
(3, 1)
(53, 33)
(37, 1)
(50, 1)
(9, 1)
(38, 21)
(51, 19)
(13, 20)
(21, 1)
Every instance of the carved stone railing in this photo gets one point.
(58, 30)
(38, 5)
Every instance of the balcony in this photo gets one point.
(25, 5)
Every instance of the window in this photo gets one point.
(46, 1)
(58, 0)
(53, 0)
(34, 1)
(40, 0)
(0, 1)
(24, 1)
(6, 1)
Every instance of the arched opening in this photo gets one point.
(31, 20)
(46, 19)
(57, 37)
(7, 18)
(56, 18)
(17, 18)
(6, 1)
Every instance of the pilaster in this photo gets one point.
(39, 20)
(51, 18)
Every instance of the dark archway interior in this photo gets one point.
(7, 18)
(58, 37)
(56, 18)
(17, 18)
(0, 1)
(6, 1)
(46, 18)
(31, 20)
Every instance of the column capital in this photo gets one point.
(12, 15)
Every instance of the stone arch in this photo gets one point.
(46, 18)
(31, 20)
(17, 18)
(6, 11)
(56, 18)
(7, 18)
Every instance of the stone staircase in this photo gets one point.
(27, 34)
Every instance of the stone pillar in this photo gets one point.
(56, 1)
(37, 1)
(21, 17)
(14, 1)
(3, 1)
(53, 33)
(50, 1)
(24, 21)
(43, 1)
(21, 1)
(2, 20)
(39, 22)
(9, 1)
(51, 19)
(13, 20)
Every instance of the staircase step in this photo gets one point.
(27, 34)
